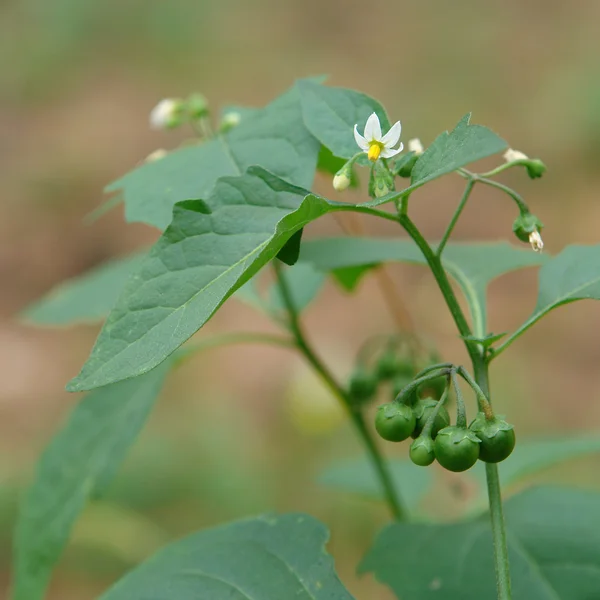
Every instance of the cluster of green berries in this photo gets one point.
(455, 447)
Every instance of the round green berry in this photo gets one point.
(497, 438)
(456, 448)
(423, 409)
(422, 451)
(363, 385)
(394, 422)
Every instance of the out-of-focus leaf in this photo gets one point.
(265, 558)
(78, 464)
(88, 297)
(358, 477)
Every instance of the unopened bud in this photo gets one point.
(341, 180)
(229, 121)
(415, 146)
(535, 167)
(381, 181)
(197, 106)
(156, 155)
(167, 114)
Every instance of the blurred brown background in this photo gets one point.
(245, 430)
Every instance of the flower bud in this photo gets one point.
(343, 178)
(525, 226)
(230, 120)
(535, 167)
(167, 114)
(382, 181)
(197, 106)
(415, 146)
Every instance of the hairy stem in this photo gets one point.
(379, 464)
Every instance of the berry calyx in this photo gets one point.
(456, 448)
(394, 422)
(497, 438)
(422, 451)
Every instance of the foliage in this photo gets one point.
(233, 203)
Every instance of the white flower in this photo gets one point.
(375, 144)
(512, 155)
(165, 114)
(415, 146)
(535, 239)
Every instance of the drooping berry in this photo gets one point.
(394, 422)
(497, 438)
(456, 448)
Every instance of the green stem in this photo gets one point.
(523, 208)
(436, 411)
(377, 459)
(480, 369)
(455, 217)
(435, 265)
(461, 413)
(503, 584)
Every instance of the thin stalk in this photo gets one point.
(503, 584)
(436, 411)
(461, 413)
(480, 369)
(523, 208)
(455, 216)
(379, 464)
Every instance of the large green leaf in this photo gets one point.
(209, 250)
(331, 113)
(88, 297)
(554, 549)
(574, 274)
(465, 144)
(473, 266)
(78, 464)
(274, 137)
(264, 558)
(357, 476)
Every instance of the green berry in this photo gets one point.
(456, 448)
(394, 422)
(423, 409)
(422, 451)
(525, 224)
(497, 438)
(363, 385)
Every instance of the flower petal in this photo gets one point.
(373, 129)
(389, 152)
(392, 136)
(360, 140)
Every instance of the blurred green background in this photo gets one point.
(245, 430)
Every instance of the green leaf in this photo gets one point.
(473, 266)
(450, 151)
(331, 113)
(572, 275)
(265, 558)
(349, 277)
(78, 464)
(554, 552)
(463, 145)
(291, 249)
(274, 137)
(356, 476)
(209, 251)
(88, 297)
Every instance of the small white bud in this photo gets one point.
(535, 239)
(341, 181)
(512, 155)
(166, 114)
(156, 155)
(230, 120)
(415, 146)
